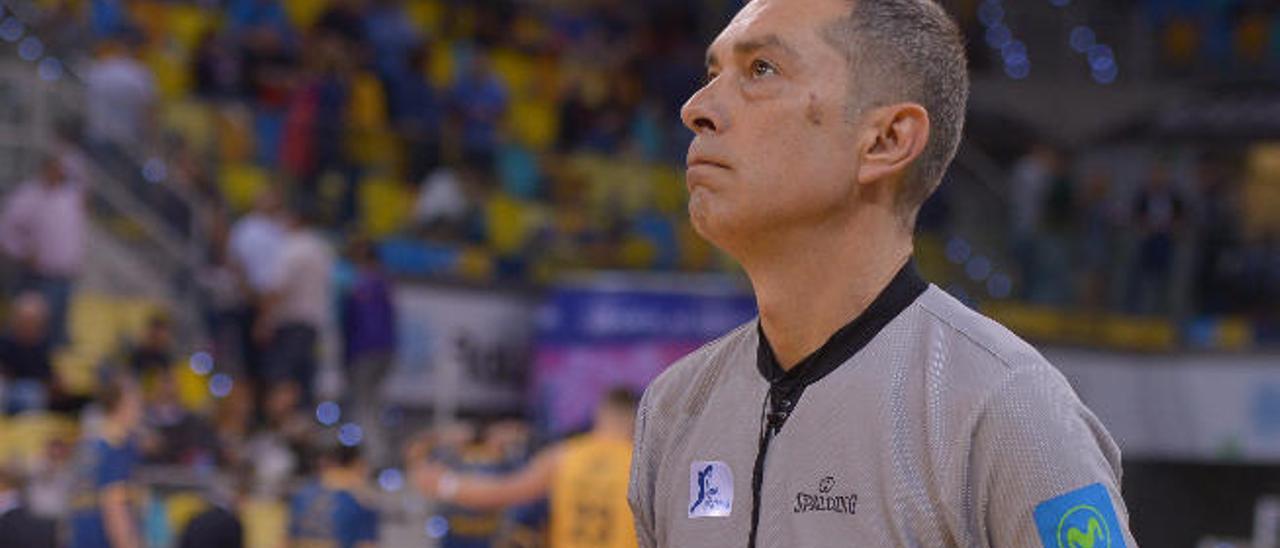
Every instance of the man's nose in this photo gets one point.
(702, 114)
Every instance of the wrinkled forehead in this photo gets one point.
(794, 23)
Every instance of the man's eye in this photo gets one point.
(760, 68)
(708, 77)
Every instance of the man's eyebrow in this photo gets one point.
(751, 45)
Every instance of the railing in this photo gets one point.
(171, 248)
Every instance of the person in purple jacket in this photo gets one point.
(369, 329)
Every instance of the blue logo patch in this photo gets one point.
(1083, 518)
(710, 489)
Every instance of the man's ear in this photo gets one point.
(893, 137)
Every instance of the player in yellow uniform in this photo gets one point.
(585, 477)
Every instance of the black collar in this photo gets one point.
(897, 296)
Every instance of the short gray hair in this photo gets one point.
(908, 50)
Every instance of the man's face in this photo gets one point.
(53, 173)
(774, 149)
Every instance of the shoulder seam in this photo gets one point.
(965, 333)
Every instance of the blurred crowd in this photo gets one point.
(525, 136)
(1171, 236)
(303, 144)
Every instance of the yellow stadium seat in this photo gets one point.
(150, 16)
(193, 388)
(533, 122)
(181, 507)
(442, 65)
(304, 13)
(193, 120)
(425, 15)
(241, 183)
(236, 140)
(638, 253)
(508, 223)
(188, 23)
(669, 194)
(96, 325)
(367, 106)
(378, 148)
(385, 205)
(513, 68)
(475, 264)
(170, 66)
(26, 436)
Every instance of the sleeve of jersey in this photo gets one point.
(1046, 472)
(643, 468)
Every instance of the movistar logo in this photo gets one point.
(1084, 518)
(1083, 527)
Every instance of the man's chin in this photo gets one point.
(716, 230)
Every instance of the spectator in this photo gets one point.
(18, 527)
(254, 248)
(120, 95)
(52, 479)
(297, 306)
(344, 20)
(43, 227)
(180, 436)
(224, 303)
(103, 515)
(417, 110)
(256, 240)
(369, 330)
(1094, 240)
(444, 207)
(391, 35)
(480, 100)
(279, 449)
(247, 16)
(1028, 194)
(109, 18)
(216, 69)
(153, 355)
(24, 355)
(1219, 236)
(336, 509)
(1158, 213)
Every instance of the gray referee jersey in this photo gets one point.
(932, 426)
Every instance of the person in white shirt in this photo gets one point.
(120, 97)
(253, 250)
(43, 229)
(298, 305)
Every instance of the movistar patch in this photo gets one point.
(1083, 518)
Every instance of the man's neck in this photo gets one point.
(811, 287)
(114, 431)
(341, 478)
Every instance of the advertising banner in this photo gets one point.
(592, 337)
(461, 349)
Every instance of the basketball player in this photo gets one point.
(864, 407)
(585, 478)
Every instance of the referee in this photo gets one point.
(864, 407)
